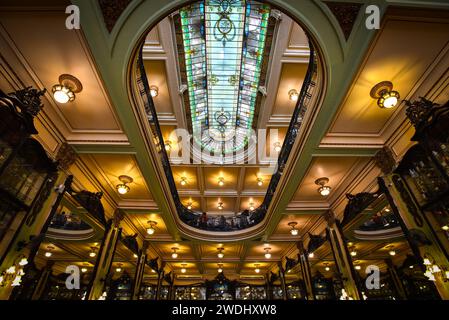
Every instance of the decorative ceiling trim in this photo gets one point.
(346, 14)
(112, 10)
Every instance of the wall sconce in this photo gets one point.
(267, 253)
(65, 90)
(122, 188)
(257, 270)
(13, 275)
(293, 230)
(323, 189)
(174, 254)
(183, 181)
(277, 146)
(293, 95)
(154, 91)
(220, 268)
(183, 270)
(220, 253)
(221, 181)
(151, 230)
(386, 97)
(220, 205)
(259, 182)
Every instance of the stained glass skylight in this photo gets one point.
(224, 43)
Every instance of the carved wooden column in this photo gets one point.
(416, 229)
(342, 257)
(282, 278)
(40, 286)
(140, 271)
(305, 270)
(397, 283)
(268, 286)
(105, 257)
(160, 278)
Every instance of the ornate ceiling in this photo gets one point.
(342, 133)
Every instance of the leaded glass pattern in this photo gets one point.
(224, 43)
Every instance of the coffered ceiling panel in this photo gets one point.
(404, 51)
(292, 77)
(334, 168)
(108, 168)
(157, 76)
(63, 52)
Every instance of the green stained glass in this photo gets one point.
(224, 44)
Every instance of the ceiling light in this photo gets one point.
(135, 256)
(293, 230)
(221, 181)
(267, 253)
(189, 205)
(174, 254)
(293, 95)
(259, 182)
(251, 206)
(119, 268)
(358, 267)
(386, 97)
(353, 253)
(93, 253)
(323, 189)
(257, 270)
(277, 146)
(167, 145)
(327, 269)
(154, 91)
(311, 255)
(65, 90)
(49, 253)
(220, 268)
(392, 253)
(426, 262)
(220, 253)
(220, 206)
(151, 230)
(183, 270)
(445, 228)
(83, 270)
(123, 188)
(23, 262)
(183, 181)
